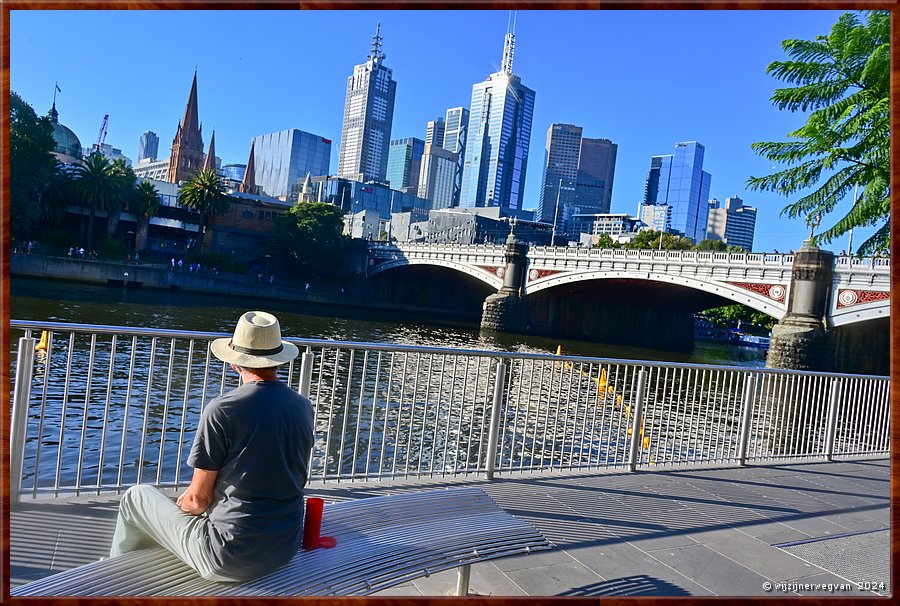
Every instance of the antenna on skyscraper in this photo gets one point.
(376, 44)
(509, 47)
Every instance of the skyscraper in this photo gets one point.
(680, 181)
(285, 157)
(456, 127)
(586, 168)
(434, 132)
(148, 147)
(368, 115)
(735, 224)
(187, 147)
(499, 131)
(437, 177)
(404, 163)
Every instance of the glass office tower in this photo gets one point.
(496, 157)
(282, 158)
(404, 163)
(434, 132)
(456, 127)
(561, 155)
(368, 115)
(680, 181)
(148, 146)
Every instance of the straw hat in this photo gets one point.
(256, 343)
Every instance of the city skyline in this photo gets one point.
(636, 85)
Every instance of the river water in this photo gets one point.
(48, 300)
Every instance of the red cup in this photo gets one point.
(312, 522)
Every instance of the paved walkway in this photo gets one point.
(686, 531)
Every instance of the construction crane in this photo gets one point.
(101, 137)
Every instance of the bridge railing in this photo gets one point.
(99, 408)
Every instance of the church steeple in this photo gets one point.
(187, 147)
(210, 163)
(248, 185)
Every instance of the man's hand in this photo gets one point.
(198, 496)
(193, 503)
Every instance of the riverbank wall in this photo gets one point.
(163, 277)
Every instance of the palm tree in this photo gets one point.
(98, 185)
(145, 204)
(114, 209)
(206, 195)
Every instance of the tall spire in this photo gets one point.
(191, 120)
(248, 185)
(376, 53)
(509, 47)
(210, 163)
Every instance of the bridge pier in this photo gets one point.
(506, 310)
(799, 340)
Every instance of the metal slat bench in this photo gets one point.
(381, 542)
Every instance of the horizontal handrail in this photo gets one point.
(394, 347)
(104, 407)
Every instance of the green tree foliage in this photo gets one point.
(649, 238)
(606, 241)
(31, 166)
(144, 202)
(206, 195)
(843, 78)
(114, 210)
(729, 315)
(308, 238)
(99, 184)
(716, 246)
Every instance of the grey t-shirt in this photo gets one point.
(258, 437)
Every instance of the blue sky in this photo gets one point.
(644, 79)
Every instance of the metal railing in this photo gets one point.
(99, 408)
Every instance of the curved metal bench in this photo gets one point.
(381, 542)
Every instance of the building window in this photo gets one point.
(248, 214)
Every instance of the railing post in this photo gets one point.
(462, 579)
(21, 397)
(306, 366)
(747, 417)
(494, 432)
(831, 425)
(636, 421)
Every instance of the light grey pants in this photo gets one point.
(148, 518)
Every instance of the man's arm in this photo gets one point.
(198, 496)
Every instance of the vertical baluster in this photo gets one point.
(165, 416)
(184, 410)
(523, 403)
(454, 378)
(437, 416)
(140, 461)
(368, 465)
(84, 420)
(203, 401)
(109, 384)
(427, 402)
(19, 423)
(332, 408)
(316, 420)
(636, 421)
(387, 412)
(124, 443)
(545, 404)
(412, 415)
(459, 427)
(347, 390)
(494, 430)
(362, 390)
(48, 365)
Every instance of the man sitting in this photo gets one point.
(242, 515)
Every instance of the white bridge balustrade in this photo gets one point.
(860, 289)
(99, 408)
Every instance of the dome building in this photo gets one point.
(68, 147)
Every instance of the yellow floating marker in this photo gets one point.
(44, 342)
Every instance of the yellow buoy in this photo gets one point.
(44, 342)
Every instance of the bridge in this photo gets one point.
(860, 288)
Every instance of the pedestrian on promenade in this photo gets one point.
(241, 516)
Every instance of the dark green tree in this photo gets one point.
(98, 185)
(31, 166)
(308, 238)
(649, 238)
(606, 241)
(729, 315)
(144, 202)
(204, 194)
(114, 210)
(844, 79)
